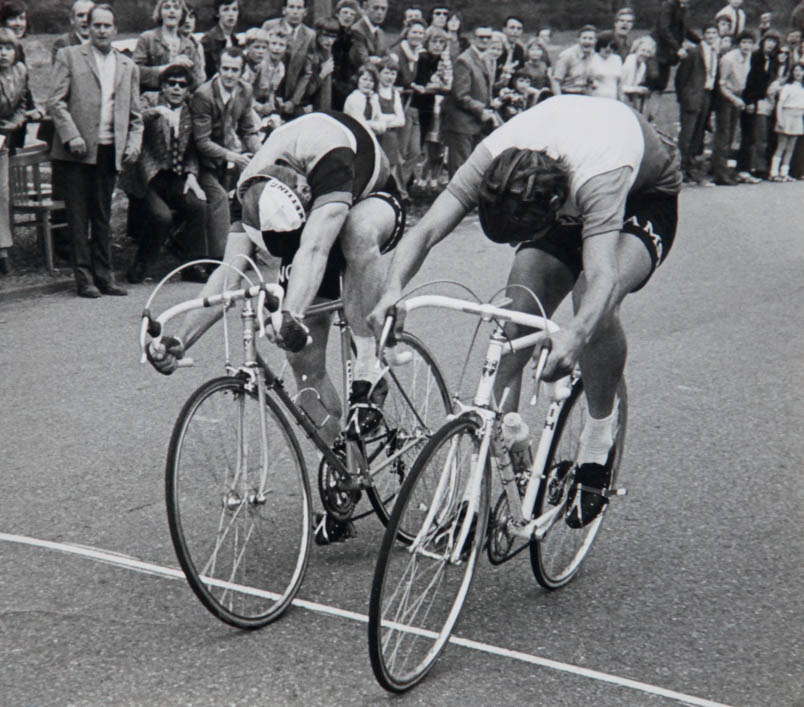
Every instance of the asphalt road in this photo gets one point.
(694, 587)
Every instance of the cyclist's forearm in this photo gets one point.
(302, 290)
(600, 301)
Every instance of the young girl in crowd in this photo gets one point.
(515, 97)
(13, 85)
(633, 79)
(541, 75)
(319, 90)
(363, 103)
(432, 82)
(789, 124)
(393, 115)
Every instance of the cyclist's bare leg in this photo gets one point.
(317, 396)
(603, 358)
(368, 226)
(551, 281)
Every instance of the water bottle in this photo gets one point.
(516, 437)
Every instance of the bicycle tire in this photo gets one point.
(408, 633)
(556, 558)
(242, 541)
(417, 403)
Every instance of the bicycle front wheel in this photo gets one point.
(418, 590)
(557, 558)
(417, 404)
(238, 503)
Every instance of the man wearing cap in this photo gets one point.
(165, 178)
(320, 198)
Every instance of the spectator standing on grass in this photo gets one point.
(673, 38)
(346, 12)
(165, 178)
(268, 80)
(319, 90)
(733, 10)
(164, 45)
(573, 66)
(370, 43)
(13, 84)
(623, 25)
(789, 124)
(634, 80)
(95, 106)
(455, 41)
(392, 114)
(221, 36)
(466, 108)
(298, 58)
(226, 133)
(695, 82)
(732, 73)
(79, 27)
(606, 68)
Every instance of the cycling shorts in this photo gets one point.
(336, 262)
(652, 218)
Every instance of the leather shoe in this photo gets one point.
(726, 182)
(195, 273)
(89, 291)
(137, 272)
(114, 290)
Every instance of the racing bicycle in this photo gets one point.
(419, 589)
(237, 486)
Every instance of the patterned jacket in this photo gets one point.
(162, 149)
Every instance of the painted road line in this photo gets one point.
(127, 562)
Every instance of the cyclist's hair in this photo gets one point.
(521, 192)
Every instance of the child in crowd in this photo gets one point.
(267, 79)
(516, 97)
(633, 80)
(432, 82)
(363, 103)
(393, 115)
(541, 75)
(256, 49)
(789, 124)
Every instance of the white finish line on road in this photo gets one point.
(131, 563)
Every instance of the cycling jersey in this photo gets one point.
(609, 150)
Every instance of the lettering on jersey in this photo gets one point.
(647, 230)
(284, 273)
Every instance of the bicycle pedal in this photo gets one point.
(614, 493)
(328, 530)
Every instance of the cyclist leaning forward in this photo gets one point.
(587, 191)
(318, 196)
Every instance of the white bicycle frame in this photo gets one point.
(488, 411)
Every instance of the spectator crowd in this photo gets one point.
(176, 118)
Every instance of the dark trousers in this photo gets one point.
(746, 150)
(88, 188)
(727, 116)
(460, 146)
(164, 196)
(218, 217)
(693, 128)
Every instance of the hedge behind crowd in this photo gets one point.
(50, 16)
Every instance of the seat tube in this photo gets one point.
(491, 365)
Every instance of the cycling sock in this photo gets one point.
(597, 437)
(367, 367)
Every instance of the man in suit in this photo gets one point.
(299, 57)
(673, 38)
(466, 108)
(165, 178)
(370, 44)
(95, 106)
(79, 27)
(226, 132)
(695, 81)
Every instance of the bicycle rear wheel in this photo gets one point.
(557, 558)
(238, 503)
(418, 591)
(417, 404)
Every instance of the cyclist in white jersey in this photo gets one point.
(588, 193)
(319, 197)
